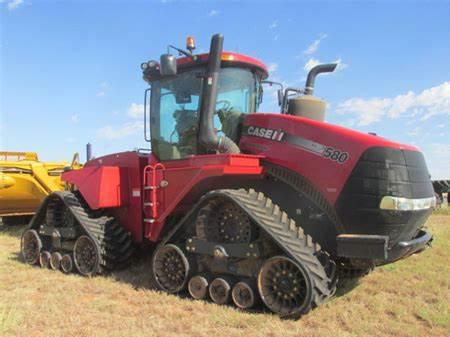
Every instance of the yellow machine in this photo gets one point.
(25, 182)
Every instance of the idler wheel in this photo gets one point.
(30, 246)
(170, 268)
(86, 256)
(285, 286)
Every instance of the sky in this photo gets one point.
(70, 70)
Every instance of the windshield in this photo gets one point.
(175, 105)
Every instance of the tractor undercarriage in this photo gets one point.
(70, 235)
(237, 245)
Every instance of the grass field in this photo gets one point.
(408, 298)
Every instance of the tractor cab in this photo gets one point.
(179, 89)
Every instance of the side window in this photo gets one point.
(235, 97)
(175, 134)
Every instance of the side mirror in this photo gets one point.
(168, 65)
(183, 97)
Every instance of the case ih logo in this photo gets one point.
(276, 135)
(328, 152)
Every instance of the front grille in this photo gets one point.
(381, 172)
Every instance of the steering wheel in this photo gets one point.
(226, 104)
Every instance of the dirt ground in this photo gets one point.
(408, 298)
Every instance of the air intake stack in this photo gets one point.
(309, 106)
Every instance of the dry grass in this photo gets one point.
(408, 298)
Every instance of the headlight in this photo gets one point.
(406, 204)
(144, 65)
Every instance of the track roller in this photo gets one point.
(55, 261)
(44, 259)
(170, 268)
(243, 295)
(30, 246)
(198, 287)
(220, 290)
(66, 264)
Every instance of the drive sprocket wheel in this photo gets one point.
(86, 256)
(224, 222)
(30, 246)
(170, 268)
(285, 286)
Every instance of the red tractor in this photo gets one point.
(239, 206)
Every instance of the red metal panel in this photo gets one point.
(130, 165)
(183, 175)
(116, 181)
(101, 186)
(327, 175)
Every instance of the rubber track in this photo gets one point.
(113, 243)
(441, 186)
(284, 231)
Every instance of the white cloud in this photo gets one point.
(104, 87)
(313, 47)
(430, 102)
(368, 111)
(213, 12)
(272, 67)
(133, 126)
(274, 24)
(340, 65)
(14, 4)
(437, 155)
(127, 129)
(441, 150)
(74, 118)
(136, 111)
(415, 132)
(312, 62)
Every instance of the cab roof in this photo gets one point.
(228, 59)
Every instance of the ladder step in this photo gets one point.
(149, 220)
(148, 203)
(150, 187)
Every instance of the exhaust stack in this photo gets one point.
(309, 106)
(319, 69)
(207, 135)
